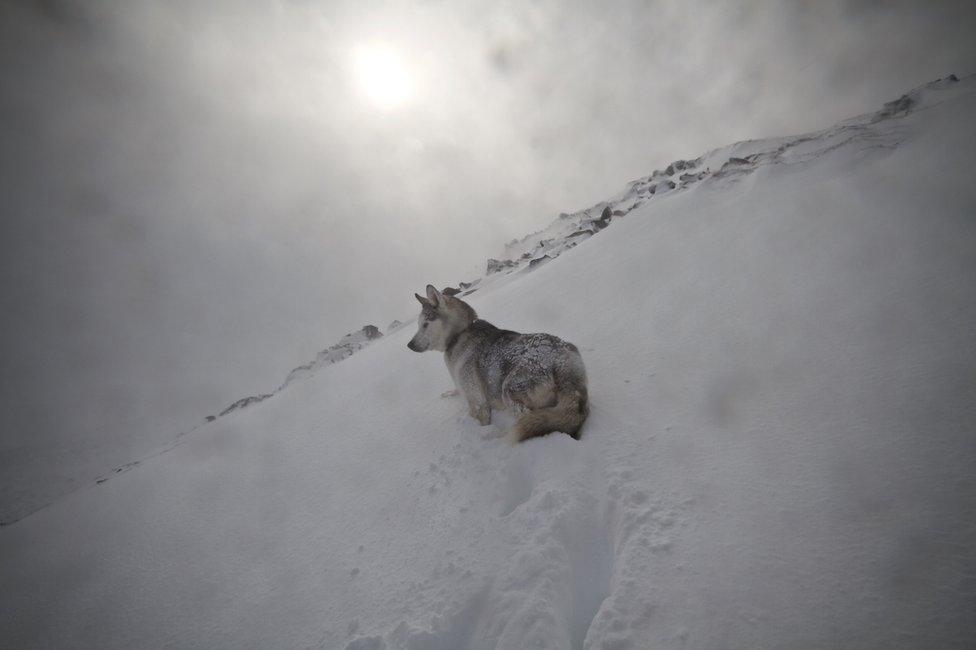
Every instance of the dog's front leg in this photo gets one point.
(470, 384)
(480, 411)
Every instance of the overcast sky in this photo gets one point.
(197, 196)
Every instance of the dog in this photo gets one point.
(538, 376)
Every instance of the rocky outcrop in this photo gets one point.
(371, 332)
(346, 347)
(494, 266)
(245, 401)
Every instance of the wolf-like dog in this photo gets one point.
(538, 376)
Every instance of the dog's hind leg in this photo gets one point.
(480, 411)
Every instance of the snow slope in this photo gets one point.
(781, 450)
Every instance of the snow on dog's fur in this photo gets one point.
(538, 376)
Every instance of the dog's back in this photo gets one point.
(540, 376)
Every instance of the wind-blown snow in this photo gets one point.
(781, 353)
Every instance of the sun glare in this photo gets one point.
(383, 76)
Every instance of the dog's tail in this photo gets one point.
(567, 415)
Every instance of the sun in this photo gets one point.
(383, 76)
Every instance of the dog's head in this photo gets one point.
(441, 319)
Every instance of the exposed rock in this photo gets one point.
(539, 260)
(450, 291)
(604, 219)
(372, 332)
(687, 179)
(901, 105)
(244, 402)
(679, 165)
(733, 166)
(494, 266)
(394, 325)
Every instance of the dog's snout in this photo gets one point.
(411, 346)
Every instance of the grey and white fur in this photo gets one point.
(538, 376)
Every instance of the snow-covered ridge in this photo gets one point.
(345, 348)
(725, 164)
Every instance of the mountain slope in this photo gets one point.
(782, 366)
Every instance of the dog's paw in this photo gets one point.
(450, 393)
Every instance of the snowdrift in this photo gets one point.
(781, 344)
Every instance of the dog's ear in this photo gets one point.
(423, 301)
(433, 295)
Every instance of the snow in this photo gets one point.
(782, 370)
